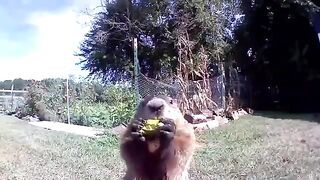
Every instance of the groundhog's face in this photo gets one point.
(158, 107)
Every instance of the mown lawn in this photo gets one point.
(254, 147)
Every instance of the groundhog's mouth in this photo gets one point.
(161, 114)
(157, 117)
(158, 114)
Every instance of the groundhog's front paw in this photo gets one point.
(167, 130)
(136, 127)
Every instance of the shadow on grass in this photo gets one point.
(311, 117)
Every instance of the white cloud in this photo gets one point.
(58, 37)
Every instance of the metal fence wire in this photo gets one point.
(149, 86)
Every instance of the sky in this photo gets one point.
(38, 38)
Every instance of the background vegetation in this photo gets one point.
(91, 104)
(274, 44)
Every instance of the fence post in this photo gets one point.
(12, 86)
(136, 68)
(223, 88)
(68, 108)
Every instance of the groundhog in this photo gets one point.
(164, 156)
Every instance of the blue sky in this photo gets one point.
(39, 37)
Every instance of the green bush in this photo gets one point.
(50, 93)
(36, 90)
(118, 107)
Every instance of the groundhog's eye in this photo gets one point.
(171, 101)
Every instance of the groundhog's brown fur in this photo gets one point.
(171, 160)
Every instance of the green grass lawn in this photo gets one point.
(254, 147)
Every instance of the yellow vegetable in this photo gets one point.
(151, 125)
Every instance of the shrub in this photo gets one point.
(118, 107)
(35, 94)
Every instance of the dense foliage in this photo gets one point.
(117, 107)
(276, 45)
(107, 49)
(278, 48)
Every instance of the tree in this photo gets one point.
(277, 47)
(6, 84)
(107, 49)
(19, 84)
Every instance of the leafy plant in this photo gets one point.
(117, 108)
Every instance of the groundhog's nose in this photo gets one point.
(155, 105)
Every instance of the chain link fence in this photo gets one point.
(148, 86)
(218, 85)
